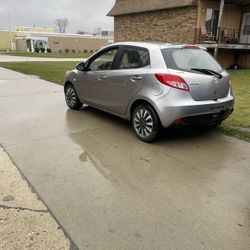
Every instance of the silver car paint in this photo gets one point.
(115, 91)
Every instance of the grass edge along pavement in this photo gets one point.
(48, 55)
(237, 125)
(49, 71)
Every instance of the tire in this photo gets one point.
(71, 97)
(145, 123)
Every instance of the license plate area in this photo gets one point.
(217, 109)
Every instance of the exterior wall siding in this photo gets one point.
(61, 44)
(5, 41)
(21, 45)
(56, 43)
(171, 25)
(231, 18)
(244, 60)
(226, 57)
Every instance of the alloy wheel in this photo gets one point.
(143, 123)
(70, 96)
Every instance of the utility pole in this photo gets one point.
(11, 42)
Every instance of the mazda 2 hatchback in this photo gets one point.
(153, 85)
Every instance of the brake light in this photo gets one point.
(172, 81)
(229, 80)
(191, 46)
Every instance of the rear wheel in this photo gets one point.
(71, 97)
(145, 123)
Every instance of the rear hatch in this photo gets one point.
(205, 77)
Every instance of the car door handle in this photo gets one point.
(102, 77)
(135, 78)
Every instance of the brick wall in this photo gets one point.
(172, 25)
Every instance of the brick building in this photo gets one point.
(223, 26)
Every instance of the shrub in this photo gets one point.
(91, 51)
(42, 50)
(73, 51)
(49, 50)
(66, 50)
(60, 51)
(86, 51)
(37, 50)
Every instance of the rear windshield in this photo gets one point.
(188, 59)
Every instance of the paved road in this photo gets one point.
(6, 58)
(111, 191)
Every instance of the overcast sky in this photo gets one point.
(82, 14)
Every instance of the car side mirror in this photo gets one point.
(81, 66)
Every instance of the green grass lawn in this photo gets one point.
(237, 125)
(48, 55)
(50, 71)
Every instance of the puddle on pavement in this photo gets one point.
(127, 162)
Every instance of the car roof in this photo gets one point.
(151, 44)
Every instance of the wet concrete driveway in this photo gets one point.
(190, 190)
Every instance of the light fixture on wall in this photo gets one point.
(203, 10)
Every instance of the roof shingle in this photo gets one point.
(123, 7)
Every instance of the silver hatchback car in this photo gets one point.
(153, 85)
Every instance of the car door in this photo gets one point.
(92, 82)
(127, 79)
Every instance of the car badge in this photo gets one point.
(214, 80)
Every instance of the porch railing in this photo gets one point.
(222, 35)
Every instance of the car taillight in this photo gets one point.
(191, 46)
(229, 81)
(172, 81)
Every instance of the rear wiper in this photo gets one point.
(208, 72)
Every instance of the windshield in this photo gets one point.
(190, 59)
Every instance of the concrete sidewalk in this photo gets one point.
(25, 222)
(6, 58)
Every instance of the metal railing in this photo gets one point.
(222, 35)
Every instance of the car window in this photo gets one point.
(104, 61)
(133, 58)
(188, 59)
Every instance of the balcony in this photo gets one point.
(224, 36)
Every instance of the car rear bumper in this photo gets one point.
(203, 120)
(190, 112)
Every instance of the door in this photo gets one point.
(212, 19)
(245, 30)
(28, 43)
(125, 82)
(92, 83)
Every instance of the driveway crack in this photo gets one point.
(24, 209)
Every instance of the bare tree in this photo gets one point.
(61, 24)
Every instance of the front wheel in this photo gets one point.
(71, 97)
(145, 123)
